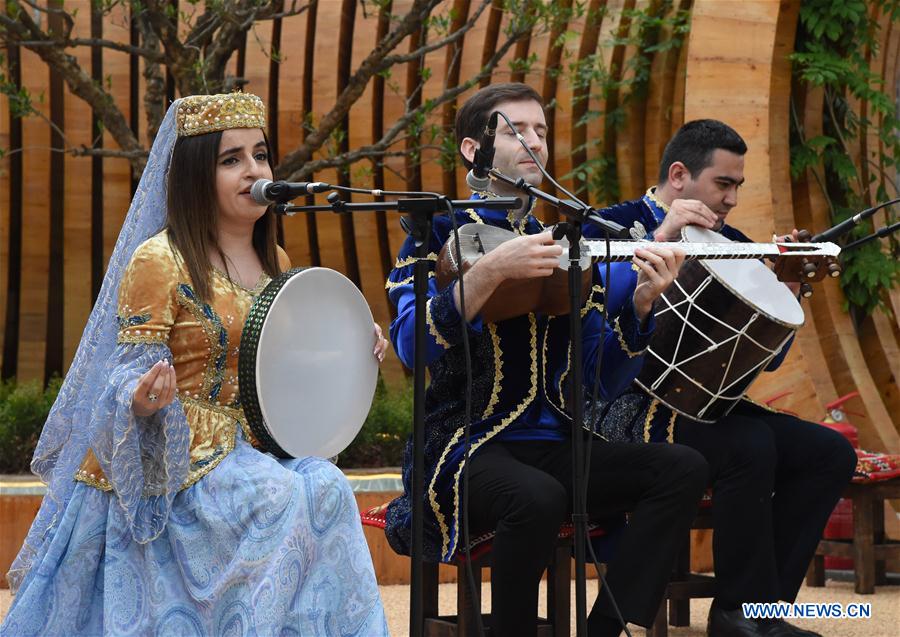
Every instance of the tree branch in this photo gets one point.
(357, 84)
(153, 56)
(79, 82)
(303, 171)
(392, 60)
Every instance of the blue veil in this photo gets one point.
(146, 460)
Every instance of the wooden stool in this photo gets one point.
(685, 585)
(559, 575)
(868, 548)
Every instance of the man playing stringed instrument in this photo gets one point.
(775, 478)
(520, 475)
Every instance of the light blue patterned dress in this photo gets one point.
(176, 524)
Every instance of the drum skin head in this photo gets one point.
(314, 371)
(750, 280)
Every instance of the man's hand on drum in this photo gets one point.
(657, 267)
(685, 212)
(155, 390)
(381, 343)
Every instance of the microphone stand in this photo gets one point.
(418, 225)
(577, 215)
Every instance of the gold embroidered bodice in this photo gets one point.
(157, 304)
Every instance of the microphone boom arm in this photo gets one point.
(567, 207)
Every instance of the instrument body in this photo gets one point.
(514, 297)
(306, 371)
(717, 328)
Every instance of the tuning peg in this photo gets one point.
(809, 269)
(806, 290)
(804, 236)
(834, 269)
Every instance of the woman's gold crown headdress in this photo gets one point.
(199, 114)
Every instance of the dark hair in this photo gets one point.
(694, 143)
(473, 116)
(192, 216)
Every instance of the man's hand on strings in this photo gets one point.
(155, 390)
(657, 267)
(685, 212)
(527, 257)
(793, 237)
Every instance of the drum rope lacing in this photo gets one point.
(721, 392)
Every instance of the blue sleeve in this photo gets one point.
(146, 460)
(626, 214)
(443, 322)
(623, 341)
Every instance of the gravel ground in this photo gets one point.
(884, 622)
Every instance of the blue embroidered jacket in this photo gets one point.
(635, 416)
(520, 374)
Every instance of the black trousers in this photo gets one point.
(523, 490)
(775, 480)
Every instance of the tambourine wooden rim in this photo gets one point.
(247, 361)
(253, 339)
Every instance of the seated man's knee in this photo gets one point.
(689, 469)
(839, 455)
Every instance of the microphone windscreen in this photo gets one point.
(477, 183)
(258, 191)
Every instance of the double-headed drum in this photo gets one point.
(306, 370)
(717, 327)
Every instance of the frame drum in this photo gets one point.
(306, 371)
(717, 327)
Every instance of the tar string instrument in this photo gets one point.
(549, 295)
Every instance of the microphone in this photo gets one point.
(479, 178)
(848, 224)
(266, 191)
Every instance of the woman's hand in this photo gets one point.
(657, 267)
(381, 343)
(155, 390)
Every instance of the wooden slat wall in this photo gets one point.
(732, 63)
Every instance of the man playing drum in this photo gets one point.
(520, 474)
(775, 478)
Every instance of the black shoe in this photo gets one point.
(780, 628)
(731, 623)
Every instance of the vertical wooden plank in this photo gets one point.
(53, 353)
(452, 66)
(309, 53)
(345, 56)
(11, 334)
(134, 71)
(275, 57)
(97, 260)
(491, 35)
(661, 102)
(78, 201)
(386, 256)
(414, 91)
(170, 79)
(523, 48)
(549, 96)
(590, 37)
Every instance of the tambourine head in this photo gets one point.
(307, 372)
